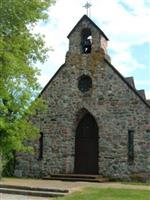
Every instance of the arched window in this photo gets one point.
(86, 41)
(40, 155)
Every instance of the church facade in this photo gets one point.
(96, 121)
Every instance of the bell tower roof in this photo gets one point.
(86, 18)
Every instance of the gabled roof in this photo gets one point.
(49, 82)
(130, 80)
(146, 102)
(85, 17)
(142, 93)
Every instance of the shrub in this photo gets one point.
(1, 166)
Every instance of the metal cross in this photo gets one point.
(87, 7)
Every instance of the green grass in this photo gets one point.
(108, 194)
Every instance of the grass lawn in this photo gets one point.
(108, 194)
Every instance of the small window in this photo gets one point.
(130, 146)
(85, 83)
(86, 41)
(40, 156)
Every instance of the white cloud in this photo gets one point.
(142, 82)
(125, 63)
(125, 29)
(147, 94)
(44, 79)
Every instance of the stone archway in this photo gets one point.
(86, 146)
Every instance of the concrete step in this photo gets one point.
(30, 191)
(19, 187)
(78, 179)
(74, 177)
(88, 176)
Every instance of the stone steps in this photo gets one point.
(32, 191)
(76, 177)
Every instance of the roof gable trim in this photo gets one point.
(85, 17)
(128, 84)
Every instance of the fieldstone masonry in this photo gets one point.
(112, 100)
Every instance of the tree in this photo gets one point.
(20, 49)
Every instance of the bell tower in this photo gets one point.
(87, 38)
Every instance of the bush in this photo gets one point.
(1, 167)
(8, 168)
(7, 165)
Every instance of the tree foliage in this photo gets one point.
(20, 49)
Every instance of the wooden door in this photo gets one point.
(86, 146)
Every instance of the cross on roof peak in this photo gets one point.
(87, 7)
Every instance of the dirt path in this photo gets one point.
(72, 186)
(20, 197)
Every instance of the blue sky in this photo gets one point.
(125, 22)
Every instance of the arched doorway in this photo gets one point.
(86, 146)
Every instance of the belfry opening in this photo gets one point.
(86, 41)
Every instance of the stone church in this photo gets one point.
(96, 121)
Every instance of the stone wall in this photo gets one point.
(116, 107)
